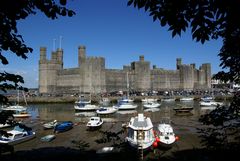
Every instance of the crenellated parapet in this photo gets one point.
(91, 76)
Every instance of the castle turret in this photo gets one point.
(81, 55)
(179, 62)
(60, 56)
(43, 53)
(207, 70)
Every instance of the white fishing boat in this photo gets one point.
(50, 125)
(151, 104)
(140, 132)
(166, 135)
(16, 136)
(94, 123)
(106, 110)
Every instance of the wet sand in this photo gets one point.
(63, 141)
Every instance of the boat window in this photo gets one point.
(17, 128)
(130, 133)
(18, 136)
(141, 135)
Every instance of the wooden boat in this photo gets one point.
(50, 125)
(94, 123)
(183, 109)
(63, 126)
(17, 135)
(48, 138)
(140, 132)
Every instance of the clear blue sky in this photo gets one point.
(110, 29)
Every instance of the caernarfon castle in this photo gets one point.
(91, 76)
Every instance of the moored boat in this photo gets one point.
(48, 138)
(186, 99)
(210, 103)
(151, 104)
(50, 125)
(63, 126)
(183, 109)
(166, 135)
(94, 123)
(140, 132)
(19, 134)
(106, 110)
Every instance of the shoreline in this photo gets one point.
(96, 99)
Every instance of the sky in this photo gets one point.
(110, 29)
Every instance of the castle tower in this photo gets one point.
(142, 74)
(207, 70)
(60, 56)
(43, 53)
(179, 62)
(42, 71)
(81, 55)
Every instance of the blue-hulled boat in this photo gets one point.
(63, 126)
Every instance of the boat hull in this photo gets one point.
(86, 108)
(106, 111)
(18, 141)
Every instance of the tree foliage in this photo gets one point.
(12, 11)
(207, 19)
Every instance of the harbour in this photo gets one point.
(185, 126)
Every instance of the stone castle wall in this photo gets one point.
(91, 75)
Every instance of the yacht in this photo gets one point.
(18, 112)
(140, 132)
(84, 105)
(106, 110)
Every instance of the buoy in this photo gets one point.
(177, 138)
(155, 144)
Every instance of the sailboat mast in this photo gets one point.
(127, 86)
(18, 97)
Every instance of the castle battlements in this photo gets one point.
(91, 75)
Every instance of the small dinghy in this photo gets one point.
(64, 126)
(50, 125)
(48, 138)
